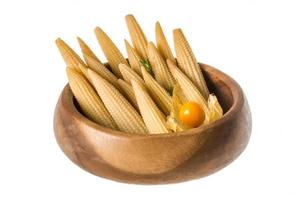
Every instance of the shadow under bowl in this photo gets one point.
(157, 159)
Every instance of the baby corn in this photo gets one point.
(111, 52)
(188, 63)
(159, 67)
(157, 92)
(125, 116)
(83, 70)
(162, 43)
(129, 74)
(189, 90)
(86, 51)
(70, 57)
(88, 100)
(127, 89)
(150, 92)
(134, 58)
(102, 71)
(137, 36)
(152, 116)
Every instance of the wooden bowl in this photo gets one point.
(157, 159)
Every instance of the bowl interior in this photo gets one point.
(218, 86)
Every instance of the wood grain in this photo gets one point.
(157, 159)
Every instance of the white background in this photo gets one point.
(256, 42)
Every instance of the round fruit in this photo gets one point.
(191, 114)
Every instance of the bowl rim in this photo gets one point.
(235, 89)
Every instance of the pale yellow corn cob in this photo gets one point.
(70, 57)
(152, 116)
(188, 63)
(88, 100)
(83, 70)
(162, 43)
(126, 117)
(129, 74)
(215, 109)
(137, 36)
(189, 90)
(111, 52)
(160, 68)
(86, 51)
(102, 71)
(133, 58)
(127, 89)
(157, 92)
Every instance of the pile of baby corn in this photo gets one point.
(144, 93)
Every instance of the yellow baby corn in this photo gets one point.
(189, 90)
(111, 52)
(127, 89)
(83, 70)
(129, 74)
(133, 58)
(86, 51)
(70, 57)
(137, 36)
(215, 109)
(125, 116)
(160, 68)
(157, 92)
(152, 116)
(162, 43)
(88, 100)
(102, 71)
(188, 63)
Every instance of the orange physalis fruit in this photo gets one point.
(191, 114)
